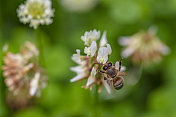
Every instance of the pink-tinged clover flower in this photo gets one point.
(143, 47)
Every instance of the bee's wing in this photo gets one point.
(122, 68)
(133, 76)
(108, 85)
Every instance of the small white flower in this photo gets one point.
(92, 77)
(91, 36)
(34, 84)
(102, 55)
(90, 51)
(78, 5)
(81, 71)
(36, 12)
(109, 49)
(77, 57)
(103, 40)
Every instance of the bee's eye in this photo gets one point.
(110, 64)
(105, 67)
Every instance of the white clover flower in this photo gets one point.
(91, 65)
(103, 40)
(36, 12)
(90, 51)
(78, 5)
(143, 47)
(102, 55)
(91, 36)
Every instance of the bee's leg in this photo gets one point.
(120, 64)
(122, 74)
(101, 71)
(98, 63)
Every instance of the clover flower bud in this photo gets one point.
(91, 36)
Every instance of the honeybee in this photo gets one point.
(113, 75)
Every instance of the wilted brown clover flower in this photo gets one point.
(143, 47)
(22, 70)
(94, 66)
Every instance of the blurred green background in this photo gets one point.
(153, 96)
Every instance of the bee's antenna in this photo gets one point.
(120, 64)
(101, 71)
(98, 63)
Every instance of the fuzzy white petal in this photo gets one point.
(123, 68)
(78, 69)
(78, 77)
(103, 40)
(117, 65)
(34, 84)
(102, 55)
(109, 49)
(90, 51)
(76, 57)
(91, 78)
(93, 48)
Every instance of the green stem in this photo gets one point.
(39, 40)
(2, 94)
(140, 72)
(3, 108)
(96, 103)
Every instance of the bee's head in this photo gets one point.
(106, 66)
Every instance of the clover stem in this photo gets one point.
(96, 103)
(3, 108)
(40, 43)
